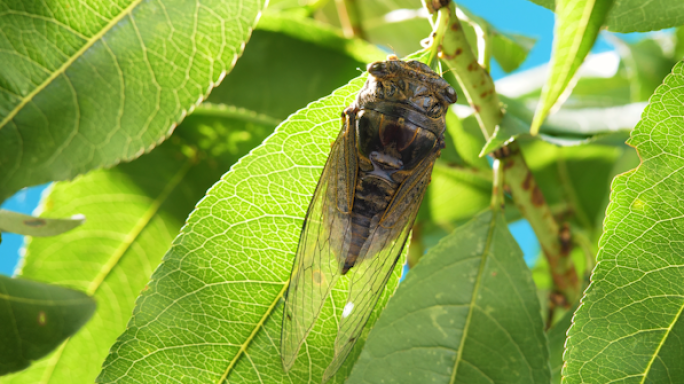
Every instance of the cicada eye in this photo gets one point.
(377, 69)
(450, 95)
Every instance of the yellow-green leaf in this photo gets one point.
(577, 26)
(629, 327)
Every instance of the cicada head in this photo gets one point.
(410, 83)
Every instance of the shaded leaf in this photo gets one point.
(134, 210)
(646, 65)
(629, 327)
(213, 306)
(638, 15)
(577, 26)
(556, 337)
(572, 193)
(567, 127)
(467, 313)
(36, 226)
(679, 44)
(86, 85)
(289, 63)
(35, 319)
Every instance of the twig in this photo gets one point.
(498, 201)
(350, 18)
(481, 94)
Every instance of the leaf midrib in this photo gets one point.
(61, 70)
(577, 42)
(257, 327)
(660, 345)
(485, 252)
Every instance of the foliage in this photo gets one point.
(37, 318)
(194, 202)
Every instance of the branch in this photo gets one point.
(481, 94)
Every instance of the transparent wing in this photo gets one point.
(378, 257)
(324, 240)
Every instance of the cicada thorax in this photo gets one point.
(399, 122)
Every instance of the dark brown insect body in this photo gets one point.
(399, 121)
(366, 200)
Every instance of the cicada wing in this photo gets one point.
(324, 241)
(377, 260)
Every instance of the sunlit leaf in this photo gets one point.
(467, 313)
(639, 15)
(213, 307)
(85, 85)
(134, 211)
(577, 26)
(510, 50)
(35, 319)
(629, 327)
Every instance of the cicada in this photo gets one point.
(366, 200)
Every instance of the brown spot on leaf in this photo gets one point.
(527, 183)
(565, 240)
(537, 197)
(34, 223)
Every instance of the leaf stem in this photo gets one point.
(481, 94)
(350, 18)
(530, 201)
(498, 200)
(439, 30)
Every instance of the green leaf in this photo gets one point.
(561, 172)
(639, 15)
(577, 26)
(35, 319)
(567, 127)
(646, 65)
(589, 92)
(213, 306)
(472, 186)
(36, 226)
(679, 44)
(556, 336)
(466, 137)
(134, 211)
(467, 313)
(87, 85)
(289, 63)
(629, 327)
(510, 50)
(402, 27)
